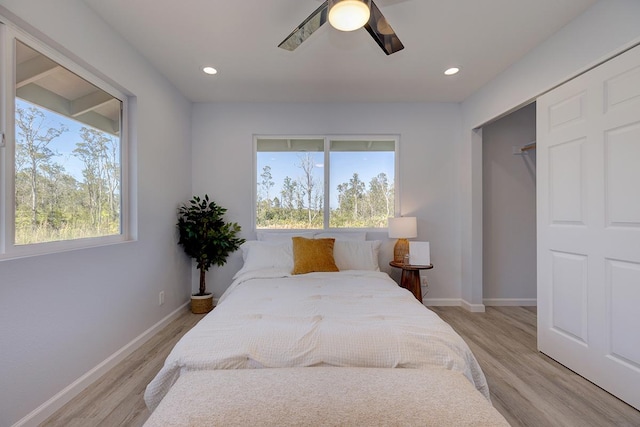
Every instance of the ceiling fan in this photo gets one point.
(356, 14)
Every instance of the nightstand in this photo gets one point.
(411, 277)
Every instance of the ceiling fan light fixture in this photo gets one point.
(349, 15)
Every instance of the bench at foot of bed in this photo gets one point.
(324, 396)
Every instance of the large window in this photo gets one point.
(63, 161)
(325, 182)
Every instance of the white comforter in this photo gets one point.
(354, 318)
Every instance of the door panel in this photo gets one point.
(623, 289)
(588, 202)
(567, 192)
(622, 175)
(569, 291)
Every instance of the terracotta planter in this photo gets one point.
(201, 304)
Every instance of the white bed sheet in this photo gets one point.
(270, 319)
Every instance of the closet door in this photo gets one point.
(588, 218)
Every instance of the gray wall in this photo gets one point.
(63, 315)
(222, 167)
(509, 210)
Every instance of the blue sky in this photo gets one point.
(343, 165)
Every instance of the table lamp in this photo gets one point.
(402, 228)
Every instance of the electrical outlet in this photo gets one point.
(161, 298)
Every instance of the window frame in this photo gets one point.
(9, 35)
(327, 138)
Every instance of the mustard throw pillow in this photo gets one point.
(311, 255)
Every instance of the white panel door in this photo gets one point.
(588, 202)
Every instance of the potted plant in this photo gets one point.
(207, 238)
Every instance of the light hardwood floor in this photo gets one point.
(528, 388)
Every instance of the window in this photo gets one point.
(63, 164)
(325, 182)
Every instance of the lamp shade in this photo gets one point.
(348, 15)
(404, 227)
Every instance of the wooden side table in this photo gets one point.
(410, 278)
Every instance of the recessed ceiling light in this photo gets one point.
(451, 71)
(210, 70)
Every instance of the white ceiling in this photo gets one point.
(240, 38)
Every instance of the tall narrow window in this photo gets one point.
(68, 182)
(319, 183)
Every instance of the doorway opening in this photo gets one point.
(509, 209)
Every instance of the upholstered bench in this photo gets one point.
(324, 396)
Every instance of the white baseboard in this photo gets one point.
(474, 308)
(524, 302)
(442, 302)
(48, 408)
(453, 302)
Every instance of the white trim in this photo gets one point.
(510, 302)
(48, 408)
(6, 152)
(442, 302)
(453, 302)
(474, 308)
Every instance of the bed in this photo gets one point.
(348, 317)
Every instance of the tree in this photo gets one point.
(32, 152)
(359, 206)
(288, 193)
(112, 170)
(308, 184)
(100, 155)
(267, 182)
(355, 192)
(89, 151)
(59, 190)
(380, 195)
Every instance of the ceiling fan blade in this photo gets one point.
(382, 32)
(306, 28)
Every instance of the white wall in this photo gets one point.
(63, 314)
(223, 148)
(509, 210)
(606, 28)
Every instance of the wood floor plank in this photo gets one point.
(527, 387)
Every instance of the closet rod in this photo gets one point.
(529, 146)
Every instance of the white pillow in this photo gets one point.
(346, 235)
(283, 235)
(357, 255)
(278, 254)
(271, 255)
